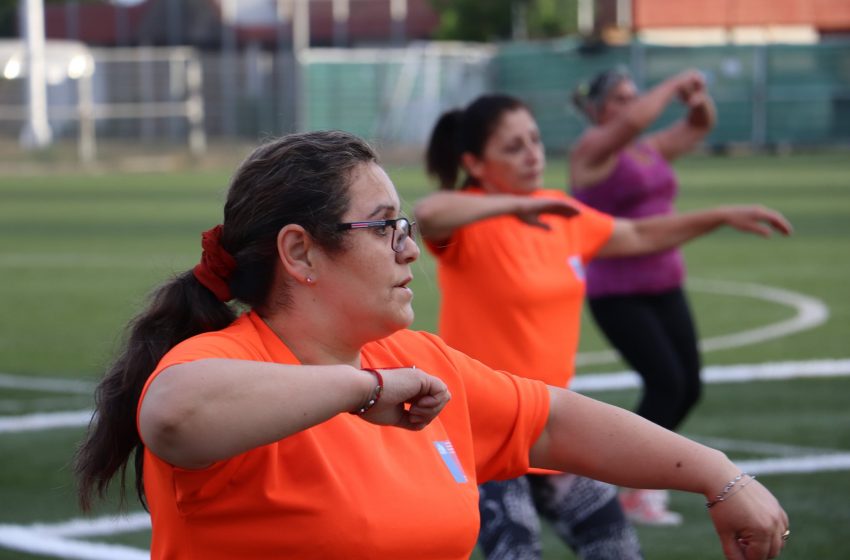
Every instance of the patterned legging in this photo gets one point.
(585, 514)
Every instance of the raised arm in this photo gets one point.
(208, 410)
(440, 214)
(685, 134)
(594, 439)
(591, 156)
(658, 233)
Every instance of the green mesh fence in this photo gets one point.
(347, 96)
(766, 95)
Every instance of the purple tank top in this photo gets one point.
(642, 184)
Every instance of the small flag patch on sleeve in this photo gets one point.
(449, 457)
(577, 266)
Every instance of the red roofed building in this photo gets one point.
(726, 21)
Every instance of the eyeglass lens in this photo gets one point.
(401, 232)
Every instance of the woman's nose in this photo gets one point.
(410, 253)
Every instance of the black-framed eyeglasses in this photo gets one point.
(402, 230)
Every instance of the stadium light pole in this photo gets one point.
(36, 133)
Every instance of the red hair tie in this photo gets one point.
(216, 264)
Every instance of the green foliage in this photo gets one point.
(474, 20)
(471, 20)
(552, 18)
(8, 18)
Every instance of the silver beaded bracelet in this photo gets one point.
(725, 493)
(376, 394)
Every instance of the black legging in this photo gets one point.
(656, 336)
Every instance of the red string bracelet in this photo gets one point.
(376, 394)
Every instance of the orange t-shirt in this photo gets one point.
(347, 488)
(512, 293)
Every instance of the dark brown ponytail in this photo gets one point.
(462, 131)
(300, 178)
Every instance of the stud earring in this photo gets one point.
(309, 279)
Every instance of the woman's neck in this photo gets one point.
(312, 343)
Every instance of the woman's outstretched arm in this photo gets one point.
(199, 412)
(599, 143)
(440, 214)
(684, 135)
(658, 233)
(597, 440)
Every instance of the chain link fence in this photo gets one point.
(767, 95)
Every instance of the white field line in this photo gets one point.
(55, 540)
(760, 447)
(87, 260)
(19, 406)
(809, 313)
(108, 525)
(44, 421)
(797, 465)
(741, 373)
(46, 384)
(31, 541)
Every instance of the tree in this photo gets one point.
(493, 20)
(473, 20)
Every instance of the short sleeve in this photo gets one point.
(493, 417)
(507, 414)
(447, 250)
(592, 230)
(215, 344)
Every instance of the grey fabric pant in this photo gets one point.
(585, 514)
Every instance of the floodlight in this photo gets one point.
(12, 68)
(62, 60)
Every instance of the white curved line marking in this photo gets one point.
(810, 313)
(34, 542)
(44, 421)
(8, 381)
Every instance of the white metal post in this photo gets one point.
(195, 106)
(301, 26)
(36, 132)
(87, 149)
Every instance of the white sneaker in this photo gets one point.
(648, 507)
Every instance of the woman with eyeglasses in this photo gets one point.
(276, 406)
(638, 302)
(511, 260)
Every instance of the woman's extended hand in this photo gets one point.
(411, 399)
(529, 210)
(756, 219)
(688, 83)
(751, 524)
